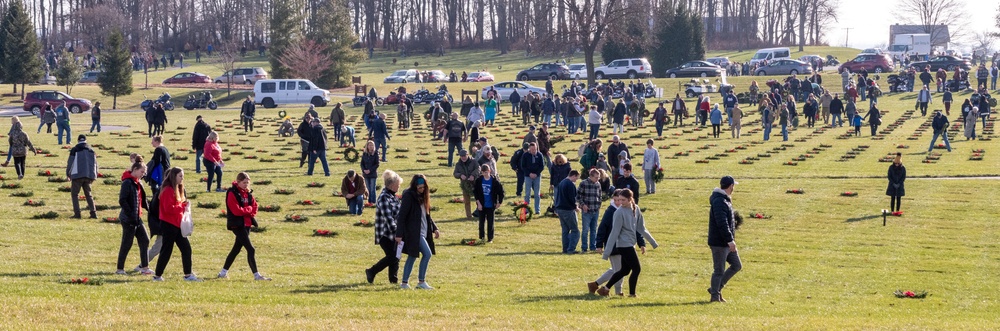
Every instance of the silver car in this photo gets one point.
(89, 77)
(784, 67)
(504, 89)
(247, 76)
(402, 76)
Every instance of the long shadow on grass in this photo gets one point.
(524, 253)
(325, 288)
(572, 297)
(863, 218)
(660, 304)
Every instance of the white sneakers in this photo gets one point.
(404, 286)
(223, 274)
(258, 276)
(192, 278)
(420, 286)
(120, 272)
(157, 279)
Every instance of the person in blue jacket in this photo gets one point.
(716, 117)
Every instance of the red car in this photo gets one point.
(188, 78)
(480, 76)
(36, 101)
(872, 62)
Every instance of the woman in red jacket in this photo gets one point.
(241, 208)
(703, 108)
(173, 204)
(212, 159)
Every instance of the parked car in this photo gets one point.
(272, 92)
(695, 69)
(35, 101)
(578, 71)
(870, 62)
(401, 76)
(947, 62)
(47, 80)
(544, 71)
(247, 76)
(810, 59)
(770, 55)
(872, 51)
(435, 76)
(188, 78)
(89, 77)
(504, 89)
(719, 61)
(784, 67)
(480, 76)
(624, 68)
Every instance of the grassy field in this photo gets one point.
(822, 261)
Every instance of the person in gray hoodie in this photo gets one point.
(628, 222)
(81, 168)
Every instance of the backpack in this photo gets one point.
(515, 160)
(583, 149)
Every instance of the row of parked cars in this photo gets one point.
(247, 76)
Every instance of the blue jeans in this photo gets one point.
(571, 125)
(872, 101)
(356, 205)
(558, 121)
(767, 131)
(944, 135)
(380, 142)
(96, 124)
(836, 120)
(370, 185)
(659, 128)
(784, 132)
(589, 231)
(533, 185)
(425, 258)
(197, 160)
(452, 147)
(993, 83)
(570, 232)
(594, 128)
(861, 91)
(64, 126)
(985, 117)
(321, 155)
(548, 119)
(345, 136)
(214, 173)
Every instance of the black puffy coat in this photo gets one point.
(131, 197)
(897, 175)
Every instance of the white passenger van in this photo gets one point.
(771, 54)
(273, 92)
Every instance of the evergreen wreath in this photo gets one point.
(351, 155)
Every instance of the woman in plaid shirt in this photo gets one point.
(386, 209)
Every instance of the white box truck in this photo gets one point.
(911, 45)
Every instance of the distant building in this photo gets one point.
(940, 37)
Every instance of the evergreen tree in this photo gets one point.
(680, 37)
(116, 74)
(335, 34)
(285, 29)
(20, 52)
(626, 41)
(69, 71)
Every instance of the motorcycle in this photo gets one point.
(421, 96)
(205, 101)
(832, 60)
(164, 100)
(146, 104)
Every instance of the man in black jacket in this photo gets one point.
(940, 126)
(201, 130)
(627, 181)
(247, 113)
(614, 150)
(515, 164)
(722, 237)
(305, 133)
(317, 147)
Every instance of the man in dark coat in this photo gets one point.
(317, 147)
(722, 237)
(201, 130)
(305, 133)
(247, 113)
(614, 150)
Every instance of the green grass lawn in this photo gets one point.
(821, 261)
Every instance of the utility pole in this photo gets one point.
(848, 37)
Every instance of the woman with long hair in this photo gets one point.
(173, 204)
(627, 224)
(132, 199)
(416, 230)
(897, 176)
(241, 212)
(369, 169)
(212, 160)
(19, 145)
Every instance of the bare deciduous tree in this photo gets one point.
(306, 59)
(591, 19)
(933, 14)
(229, 55)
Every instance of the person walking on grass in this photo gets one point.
(95, 117)
(489, 195)
(213, 162)
(627, 181)
(783, 121)
(247, 112)
(716, 119)
(897, 176)
(81, 169)
(532, 165)
(173, 204)
(380, 134)
(767, 117)
(369, 169)
(416, 230)
(47, 117)
(456, 136)
(337, 118)
(722, 238)
(317, 147)
(132, 199)
(588, 196)
(603, 230)
(201, 131)
(566, 208)
(737, 125)
(386, 209)
(660, 118)
(159, 164)
(650, 164)
(628, 224)
(354, 190)
(466, 171)
(970, 123)
(241, 212)
(19, 146)
(62, 122)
